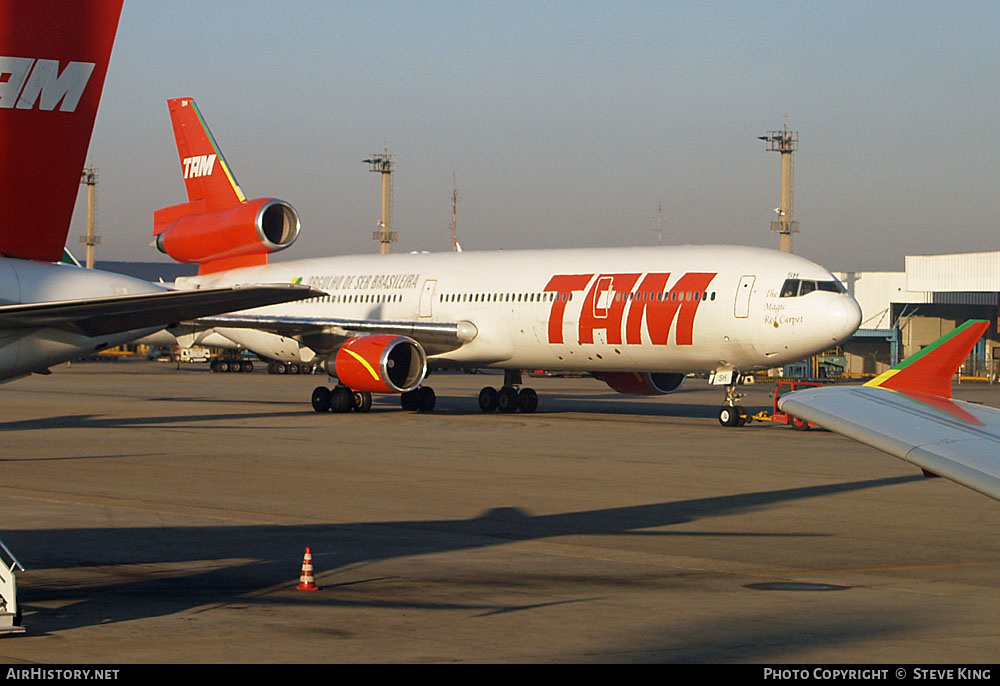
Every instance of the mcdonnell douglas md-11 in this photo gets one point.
(640, 318)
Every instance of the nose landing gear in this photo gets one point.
(731, 413)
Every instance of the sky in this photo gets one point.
(567, 124)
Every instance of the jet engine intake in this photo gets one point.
(643, 383)
(380, 363)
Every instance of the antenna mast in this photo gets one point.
(658, 223)
(454, 216)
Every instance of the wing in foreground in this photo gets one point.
(103, 316)
(908, 412)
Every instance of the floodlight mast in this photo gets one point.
(385, 237)
(784, 142)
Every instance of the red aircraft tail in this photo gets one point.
(54, 55)
(218, 228)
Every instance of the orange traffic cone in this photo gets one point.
(306, 580)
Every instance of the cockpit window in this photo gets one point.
(790, 289)
(796, 287)
(832, 286)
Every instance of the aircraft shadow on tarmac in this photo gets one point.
(253, 563)
(96, 421)
(554, 404)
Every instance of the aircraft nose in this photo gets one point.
(843, 317)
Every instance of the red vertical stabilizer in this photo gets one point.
(54, 56)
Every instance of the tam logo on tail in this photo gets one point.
(199, 165)
(25, 82)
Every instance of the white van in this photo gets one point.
(194, 355)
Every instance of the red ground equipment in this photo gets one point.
(777, 415)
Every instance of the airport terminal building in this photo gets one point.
(904, 311)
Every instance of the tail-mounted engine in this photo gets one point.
(239, 236)
(379, 363)
(644, 383)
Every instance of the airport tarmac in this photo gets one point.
(162, 515)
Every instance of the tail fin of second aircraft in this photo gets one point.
(218, 228)
(207, 176)
(53, 59)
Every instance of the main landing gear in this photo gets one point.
(223, 365)
(343, 399)
(289, 368)
(510, 398)
(340, 399)
(731, 414)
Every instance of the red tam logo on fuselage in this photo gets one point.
(25, 82)
(610, 295)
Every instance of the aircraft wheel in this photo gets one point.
(742, 416)
(236, 366)
(321, 399)
(488, 399)
(527, 400)
(341, 399)
(362, 401)
(248, 366)
(409, 401)
(728, 416)
(507, 399)
(280, 368)
(800, 424)
(223, 366)
(425, 398)
(293, 369)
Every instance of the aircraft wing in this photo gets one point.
(908, 412)
(324, 334)
(102, 316)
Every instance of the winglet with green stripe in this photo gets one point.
(930, 370)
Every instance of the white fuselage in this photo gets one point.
(653, 309)
(27, 350)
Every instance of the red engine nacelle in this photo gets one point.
(643, 383)
(239, 236)
(379, 364)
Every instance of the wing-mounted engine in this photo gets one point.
(379, 364)
(238, 236)
(644, 383)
